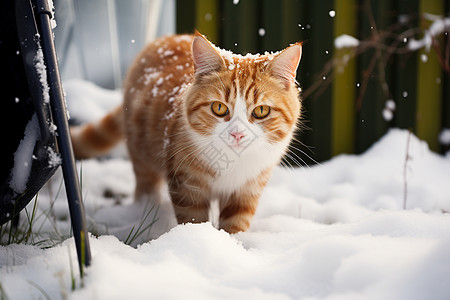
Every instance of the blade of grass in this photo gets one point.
(140, 229)
(29, 231)
(40, 289)
(3, 295)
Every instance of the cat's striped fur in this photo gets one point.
(174, 96)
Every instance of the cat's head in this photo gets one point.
(245, 106)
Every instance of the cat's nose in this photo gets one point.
(237, 135)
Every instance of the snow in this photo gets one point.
(388, 114)
(388, 111)
(345, 41)
(54, 158)
(424, 58)
(331, 231)
(444, 137)
(91, 102)
(390, 104)
(51, 6)
(24, 155)
(261, 32)
(41, 70)
(438, 26)
(231, 57)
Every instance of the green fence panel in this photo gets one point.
(344, 81)
(429, 84)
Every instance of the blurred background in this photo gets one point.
(367, 65)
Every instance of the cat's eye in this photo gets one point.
(262, 111)
(219, 109)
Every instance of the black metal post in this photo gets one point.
(59, 114)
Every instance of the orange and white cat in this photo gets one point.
(208, 123)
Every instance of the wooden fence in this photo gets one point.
(349, 93)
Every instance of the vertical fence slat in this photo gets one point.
(280, 20)
(271, 25)
(317, 51)
(344, 83)
(370, 124)
(294, 20)
(293, 29)
(207, 18)
(185, 16)
(429, 85)
(230, 25)
(446, 93)
(446, 99)
(446, 87)
(240, 26)
(405, 69)
(293, 11)
(446, 108)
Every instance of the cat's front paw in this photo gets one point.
(236, 223)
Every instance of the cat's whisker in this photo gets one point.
(294, 139)
(304, 153)
(294, 159)
(199, 149)
(286, 164)
(273, 147)
(192, 160)
(183, 133)
(181, 163)
(181, 148)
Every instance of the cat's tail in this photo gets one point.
(94, 139)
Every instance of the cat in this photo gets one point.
(207, 123)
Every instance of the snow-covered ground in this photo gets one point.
(332, 231)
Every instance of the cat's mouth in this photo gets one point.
(237, 145)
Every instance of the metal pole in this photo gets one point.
(59, 114)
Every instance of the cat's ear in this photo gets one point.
(206, 58)
(285, 64)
